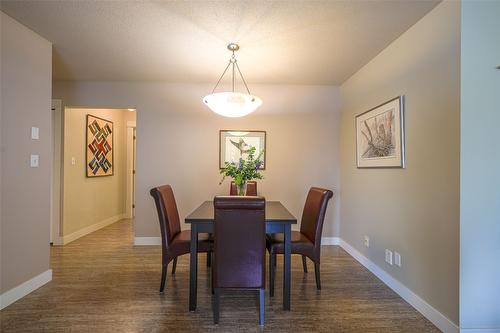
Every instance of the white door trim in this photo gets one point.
(129, 212)
(56, 173)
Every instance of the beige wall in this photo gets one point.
(177, 141)
(26, 63)
(87, 201)
(414, 211)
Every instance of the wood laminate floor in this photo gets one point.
(102, 283)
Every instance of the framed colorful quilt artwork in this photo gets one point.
(99, 147)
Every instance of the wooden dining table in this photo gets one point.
(278, 220)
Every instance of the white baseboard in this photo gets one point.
(330, 241)
(90, 229)
(429, 312)
(480, 330)
(9, 297)
(147, 241)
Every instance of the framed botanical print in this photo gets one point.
(235, 144)
(380, 137)
(99, 144)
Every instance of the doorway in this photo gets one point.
(93, 174)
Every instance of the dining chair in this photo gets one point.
(239, 247)
(307, 241)
(175, 242)
(251, 188)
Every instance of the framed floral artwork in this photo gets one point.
(235, 144)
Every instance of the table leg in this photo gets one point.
(287, 266)
(193, 268)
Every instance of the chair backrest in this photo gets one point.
(168, 215)
(314, 212)
(251, 188)
(239, 242)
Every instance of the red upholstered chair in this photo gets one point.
(239, 247)
(307, 241)
(174, 241)
(251, 188)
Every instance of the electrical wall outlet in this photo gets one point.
(367, 241)
(73, 161)
(397, 259)
(388, 256)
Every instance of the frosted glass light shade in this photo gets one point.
(232, 104)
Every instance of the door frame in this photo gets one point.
(56, 173)
(131, 158)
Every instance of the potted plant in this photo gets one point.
(243, 171)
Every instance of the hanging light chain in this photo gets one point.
(225, 70)
(234, 63)
(242, 78)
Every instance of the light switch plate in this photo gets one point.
(35, 133)
(73, 161)
(34, 160)
(367, 241)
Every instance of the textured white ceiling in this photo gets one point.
(290, 42)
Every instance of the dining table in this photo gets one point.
(278, 220)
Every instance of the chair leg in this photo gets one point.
(209, 259)
(316, 271)
(304, 263)
(212, 278)
(163, 277)
(216, 305)
(174, 266)
(261, 307)
(272, 272)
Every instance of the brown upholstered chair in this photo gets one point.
(239, 247)
(251, 188)
(307, 241)
(174, 241)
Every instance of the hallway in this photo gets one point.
(102, 283)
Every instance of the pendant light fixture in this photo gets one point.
(232, 104)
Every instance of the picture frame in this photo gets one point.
(380, 136)
(233, 143)
(99, 147)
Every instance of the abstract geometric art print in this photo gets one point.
(99, 147)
